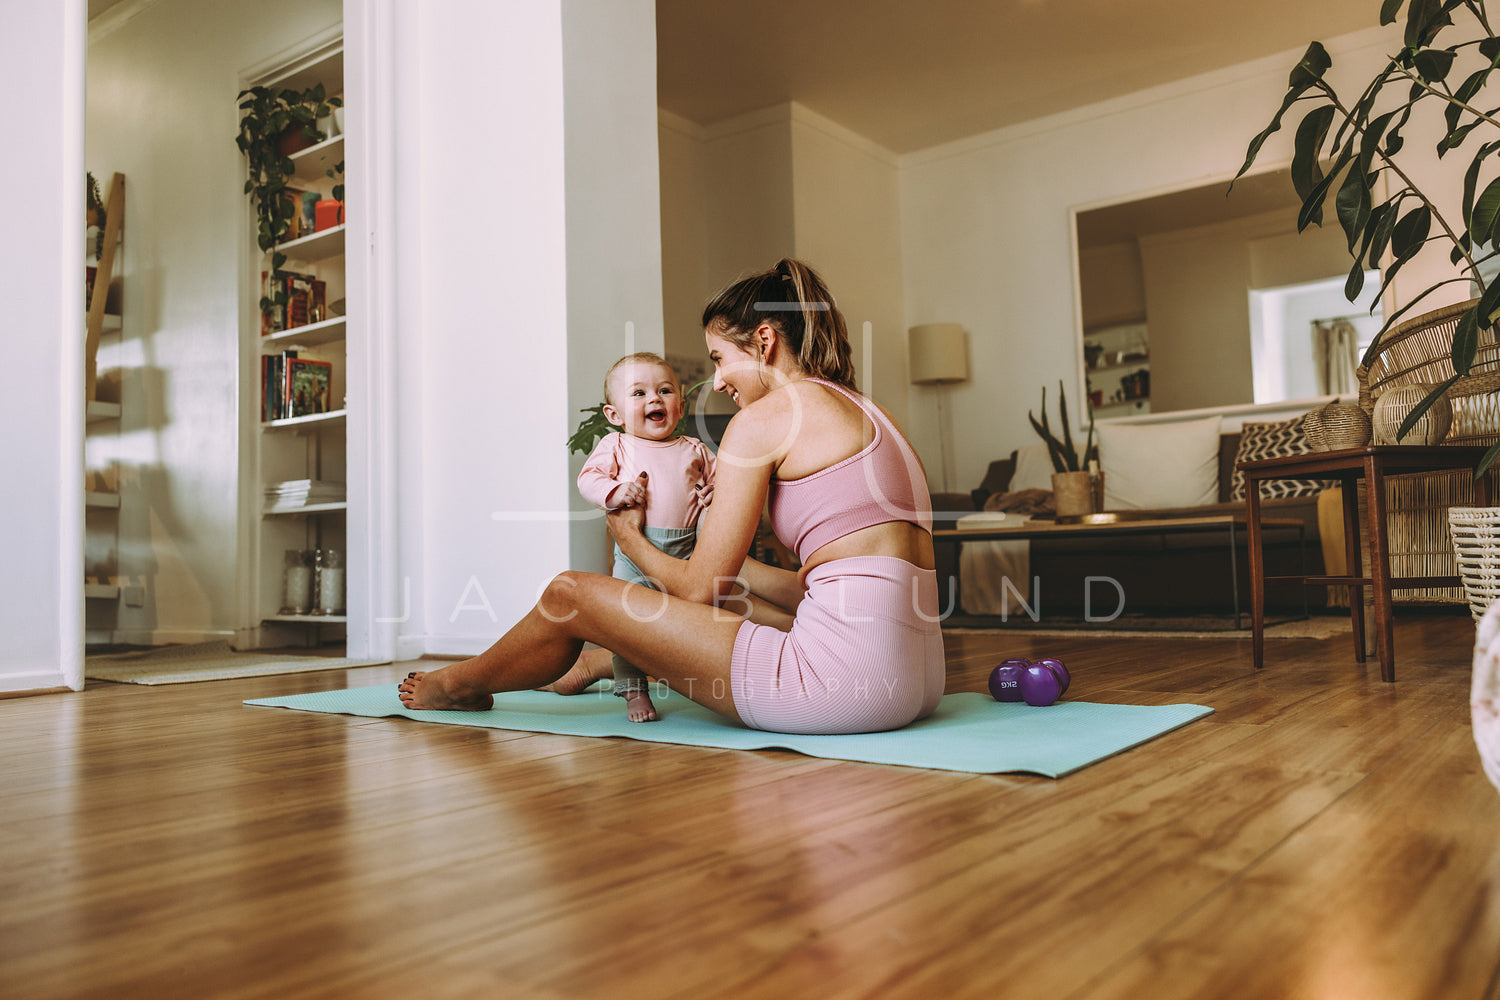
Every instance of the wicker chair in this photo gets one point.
(1420, 351)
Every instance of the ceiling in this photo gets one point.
(910, 74)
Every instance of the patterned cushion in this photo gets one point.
(1273, 440)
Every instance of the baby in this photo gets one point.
(643, 399)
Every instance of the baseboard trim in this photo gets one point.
(169, 637)
(456, 645)
(34, 682)
(409, 647)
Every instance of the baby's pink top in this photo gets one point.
(673, 468)
(882, 482)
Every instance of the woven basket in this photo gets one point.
(1335, 426)
(1476, 544)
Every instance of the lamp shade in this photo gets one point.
(936, 353)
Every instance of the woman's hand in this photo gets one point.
(625, 521)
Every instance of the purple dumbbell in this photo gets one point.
(1060, 669)
(1040, 685)
(1005, 680)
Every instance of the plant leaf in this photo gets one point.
(1070, 455)
(1471, 181)
(1353, 206)
(1433, 64)
(1486, 460)
(1355, 281)
(1382, 232)
(1308, 71)
(1411, 231)
(1369, 143)
(1308, 147)
(1377, 218)
(1489, 303)
(1389, 10)
(1311, 212)
(1466, 341)
(1424, 19)
(1486, 210)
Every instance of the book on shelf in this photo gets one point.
(292, 386)
(304, 300)
(273, 384)
(295, 494)
(309, 386)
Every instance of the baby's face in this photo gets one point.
(644, 401)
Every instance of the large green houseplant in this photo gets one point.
(1447, 56)
(267, 115)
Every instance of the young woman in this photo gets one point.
(846, 491)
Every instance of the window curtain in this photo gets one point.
(1335, 356)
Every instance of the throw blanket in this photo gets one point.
(985, 567)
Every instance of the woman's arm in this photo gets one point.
(781, 587)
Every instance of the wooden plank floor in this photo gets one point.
(1321, 835)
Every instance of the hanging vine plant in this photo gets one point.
(268, 117)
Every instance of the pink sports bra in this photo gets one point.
(882, 482)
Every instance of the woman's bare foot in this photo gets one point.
(638, 707)
(592, 665)
(433, 689)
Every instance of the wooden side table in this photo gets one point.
(1370, 464)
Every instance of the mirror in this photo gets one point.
(1190, 300)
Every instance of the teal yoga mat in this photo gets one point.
(968, 732)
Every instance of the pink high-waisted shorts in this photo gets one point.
(864, 655)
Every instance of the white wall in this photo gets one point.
(785, 181)
(751, 216)
(161, 109)
(490, 315)
(686, 280)
(985, 222)
(41, 383)
(614, 219)
(846, 204)
(524, 294)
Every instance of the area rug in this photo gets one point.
(207, 661)
(967, 732)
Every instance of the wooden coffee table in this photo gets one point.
(1231, 524)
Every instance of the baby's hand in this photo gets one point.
(705, 493)
(631, 494)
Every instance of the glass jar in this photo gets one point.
(330, 582)
(297, 582)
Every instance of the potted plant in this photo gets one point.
(1443, 64)
(273, 124)
(1072, 485)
